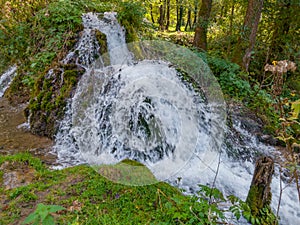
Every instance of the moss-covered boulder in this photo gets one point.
(51, 91)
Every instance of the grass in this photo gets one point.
(100, 200)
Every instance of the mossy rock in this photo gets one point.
(132, 162)
(128, 172)
(102, 40)
(131, 33)
(47, 104)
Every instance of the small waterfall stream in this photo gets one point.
(148, 111)
(6, 79)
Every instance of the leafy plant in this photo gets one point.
(42, 214)
(131, 12)
(240, 208)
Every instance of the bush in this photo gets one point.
(132, 13)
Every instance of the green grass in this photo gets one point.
(102, 201)
(90, 198)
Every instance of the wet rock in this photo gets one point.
(251, 123)
(267, 139)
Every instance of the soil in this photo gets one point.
(15, 136)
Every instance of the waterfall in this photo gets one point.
(144, 107)
(6, 78)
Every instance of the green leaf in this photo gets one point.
(252, 220)
(55, 208)
(257, 221)
(295, 109)
(32, 217)
(42, 210)
(49, 220)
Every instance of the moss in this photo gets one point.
(49, 97)
(131, 33)
(102, 40)
(132, 162)
(97, 197)
(254, 200)
(261, 211)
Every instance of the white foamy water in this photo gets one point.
(144, 110)
(6, 79)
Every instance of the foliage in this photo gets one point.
(132, 12)
(25, 158)
(89, 198)
(131, 15)
(289, 133)
(240, 208)
(230, 78)
(198, 209)
(42, 214)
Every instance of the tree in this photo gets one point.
(200, 38)
(286, 24)
(162, 11)
(246, 41)
(195, 12)
(179, 14)
(168, 14)
(151, 13)
(188, 22)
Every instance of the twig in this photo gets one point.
(280, 193)
(194, 214)
(215, 178)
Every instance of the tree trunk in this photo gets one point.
(230, 28)
(168, 14)
(151, 14)
(260, 195)
(246, 42)
(281, 30)
(179, 13)
(200, 38)
(161, 20)
(188, 22)
(195, 13)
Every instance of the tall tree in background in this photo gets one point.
(179, 14)
(151, 13)
(200, 38)
(168, 14)
(161, 20)
(286, 28)
(188, 21)
(246, 41)
(195, 12)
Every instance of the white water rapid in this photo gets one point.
(143, 107)
(6, 78)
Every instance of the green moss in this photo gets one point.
(102, 40)
(131, 33)
(25, 158)
(254, 200)
(260, 211)
(132, 162)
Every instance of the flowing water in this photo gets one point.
(6, 79)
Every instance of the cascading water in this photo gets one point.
(141, 107)
(6, 79)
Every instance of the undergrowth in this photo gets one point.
(89, 198)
